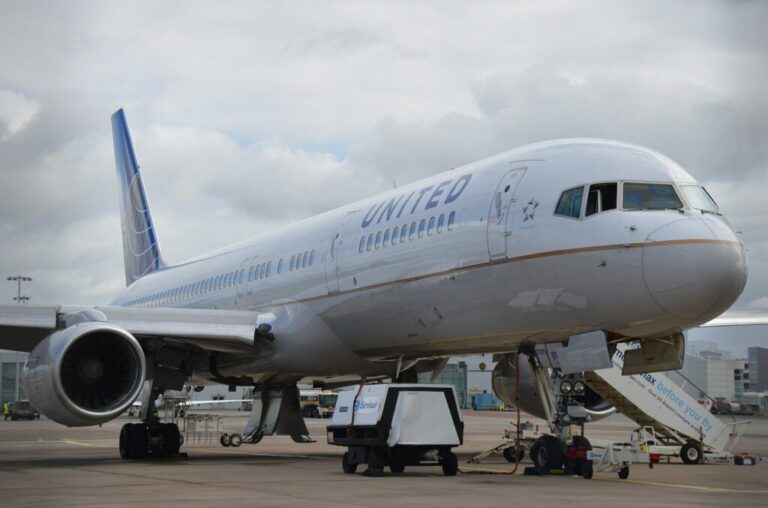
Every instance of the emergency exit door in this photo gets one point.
(498, 213)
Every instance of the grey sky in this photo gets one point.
(247, 116)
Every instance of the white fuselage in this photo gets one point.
(497, 268)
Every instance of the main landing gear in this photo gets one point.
(150, 438)
(140, 440)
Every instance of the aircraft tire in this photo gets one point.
(235, 440)
(224, 440)
(547, 454)
(624, 472)
(171, 439)
(133, 441)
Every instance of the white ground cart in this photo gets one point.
(397, 425)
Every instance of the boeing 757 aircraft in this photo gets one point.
(559, 242)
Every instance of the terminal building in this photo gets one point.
(11, 381)
(709, 372)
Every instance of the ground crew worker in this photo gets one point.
(6, 411)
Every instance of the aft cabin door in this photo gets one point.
(501, 206)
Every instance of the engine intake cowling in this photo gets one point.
(85, 374)
(504, 385)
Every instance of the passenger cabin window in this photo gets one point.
(601, 197)
(280, 266)
(569, 204)
(650, 196)
(699, 198)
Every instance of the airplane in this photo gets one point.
(584, 242)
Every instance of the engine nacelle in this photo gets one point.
(504, 381)
(85, 374)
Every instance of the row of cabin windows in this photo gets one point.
(381, 239)
(223, 281)
(300, 260)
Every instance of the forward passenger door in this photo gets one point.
(498, 213)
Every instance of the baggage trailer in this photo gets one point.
(397, 425)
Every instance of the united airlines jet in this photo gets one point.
(557, 242)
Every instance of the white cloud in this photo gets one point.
(247, 117)
(16, 111)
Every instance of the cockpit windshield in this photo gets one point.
(650, 196)
(699, 198)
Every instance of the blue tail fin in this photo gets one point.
(141, 249)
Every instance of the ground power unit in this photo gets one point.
(397, 425)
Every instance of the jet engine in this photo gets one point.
(85, 374)
(505, 378)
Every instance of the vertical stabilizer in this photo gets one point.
(141, 249)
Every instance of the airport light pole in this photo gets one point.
(19, 299)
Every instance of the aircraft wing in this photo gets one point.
(22, 327)
(738, 319)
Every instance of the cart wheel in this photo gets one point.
(346, 465)
(624, 472)
(509, 454)
(586, 470)
(224, 439)
(396, 465)
(450, 464)
(691, 453)
(235, 440)
(375, 464)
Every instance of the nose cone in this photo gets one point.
(694, 270)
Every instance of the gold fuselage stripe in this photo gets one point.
(527, 257)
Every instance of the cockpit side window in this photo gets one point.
(601, 197)
(699, 198)
(569, 204)
(650, 196)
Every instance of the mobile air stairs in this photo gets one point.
(672, 423)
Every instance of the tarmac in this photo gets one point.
(45, 464)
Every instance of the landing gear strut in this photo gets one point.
(559, 451)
